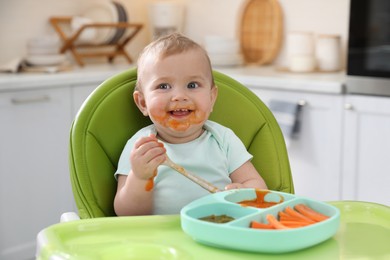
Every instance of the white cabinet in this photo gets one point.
(34, 178)
(315, 156)
(343, 148)
(366, 161)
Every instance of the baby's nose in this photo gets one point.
(180, 94)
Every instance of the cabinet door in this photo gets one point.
(366, 170)
(315, 155)
(34, 178)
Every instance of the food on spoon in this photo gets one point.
(150, 183)
(217, 218)
(259, 201)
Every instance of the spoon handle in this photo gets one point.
(203, 183)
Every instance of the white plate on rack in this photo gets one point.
(103, 12)
(88, 35)
(122, 17)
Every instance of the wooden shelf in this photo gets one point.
(70, 41)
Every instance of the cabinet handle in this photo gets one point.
(21, 101)
(302, 102)
(348, 106)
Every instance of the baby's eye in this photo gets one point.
(163, 86)
(192, 85)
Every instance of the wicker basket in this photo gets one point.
(261, 31)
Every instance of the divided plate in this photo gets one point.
(238, 235)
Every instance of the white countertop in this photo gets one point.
(90, 74)
(250, 76)
(271, 78)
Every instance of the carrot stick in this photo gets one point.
(285, 216)
(275, 223)
(310, 213)
(295, 213)
(259, 225)
(294, 224)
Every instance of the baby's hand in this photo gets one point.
(234, 185)
(146, 156)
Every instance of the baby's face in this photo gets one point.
(177, 94)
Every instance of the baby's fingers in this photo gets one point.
(233, 186)
(144, 140)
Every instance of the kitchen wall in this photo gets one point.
(24, 19)
(222, 17)
(21, 20)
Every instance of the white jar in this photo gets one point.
(300, 43)
(328, 53)
(302, 63)
(300, 51)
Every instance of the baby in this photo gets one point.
(176, 90)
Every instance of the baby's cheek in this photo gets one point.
(198, 117)
(161, 119)
(158, 115)
(157, 112)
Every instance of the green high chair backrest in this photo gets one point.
(109, 117)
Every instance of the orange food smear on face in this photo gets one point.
(180, 125)
(150, 184)
(259, 201)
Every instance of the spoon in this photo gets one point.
(203, 183)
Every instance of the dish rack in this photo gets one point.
(99, 49)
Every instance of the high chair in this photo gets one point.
(109, 117)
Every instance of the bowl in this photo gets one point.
(224, 60)
(221, 45)
(37, 50)
(238, 235)
(43, 41)
(43, 45)
(46, 60)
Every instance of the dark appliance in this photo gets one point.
(368, 60)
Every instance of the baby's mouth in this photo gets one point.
(181, 112)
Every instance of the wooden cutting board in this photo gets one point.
(261, 31)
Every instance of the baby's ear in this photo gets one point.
(139, 100)
(214, 94)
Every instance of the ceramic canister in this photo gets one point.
(328, 52)
(300, 51)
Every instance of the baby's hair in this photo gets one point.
(169, 45)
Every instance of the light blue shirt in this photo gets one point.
(213, 156)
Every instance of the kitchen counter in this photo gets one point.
(251, 76)
(77, 75)
(272, 78)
